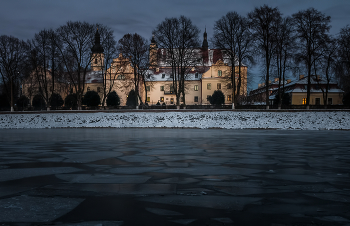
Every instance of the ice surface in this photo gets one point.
(102, 178)
(35, 209)
(215, 202)
(163, 212)
(14, 174)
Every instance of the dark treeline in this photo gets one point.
(281, 45)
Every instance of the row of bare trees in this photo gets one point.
(281, 45)
(64, 56)
(297, 44)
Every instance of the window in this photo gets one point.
(196, 88)
(219, 73)
(163, 75)
(148, 88)
(161, 99)
(121, 77)
(182, 99)
(161, 88)
(171, 100)
(171, 76)
(229, 86)
(209, 86)
(317, 101)
(208, 96)
(196, 75)
(219, 86)
(330, 101)
(88, 88)
(95, 61)
(229, 98)
(148, 99)
(196, 99)
(304, 101)
(98, 89)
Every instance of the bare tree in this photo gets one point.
(263, 21)
(178, 40)
(232, 34)
(13, 56)
(45, 62)
(106, 66)
(343, 61)
(328, 66)
(311, 27)
(283, 51)
(76, 41)
(136, 48)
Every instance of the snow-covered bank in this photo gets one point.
(224, 119)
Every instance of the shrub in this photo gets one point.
(131, 100)
(91, 99)
(218, 98)
(38, 102)
(56, 100)
(113, 99)
(22, 102)
(71, 101)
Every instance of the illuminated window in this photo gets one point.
(161, 88)
(209, 86)
(148, 99)
(229, 98)
(196, 88)
(304, 101)
(219, 86)
(219, 73)
(161, 99)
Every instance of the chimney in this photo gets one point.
(289, 81)
(276, 79)
(301, 77)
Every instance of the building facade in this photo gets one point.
(297, 91)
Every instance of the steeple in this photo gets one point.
(97, 48)
(205, 41)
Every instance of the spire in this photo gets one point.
(97, 48)
(153, 42)
(205, 41)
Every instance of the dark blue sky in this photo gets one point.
(24, 18)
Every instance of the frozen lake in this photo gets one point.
(174, 176)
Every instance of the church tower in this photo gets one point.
(97, 56)
(205, 41)
(153, 51)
